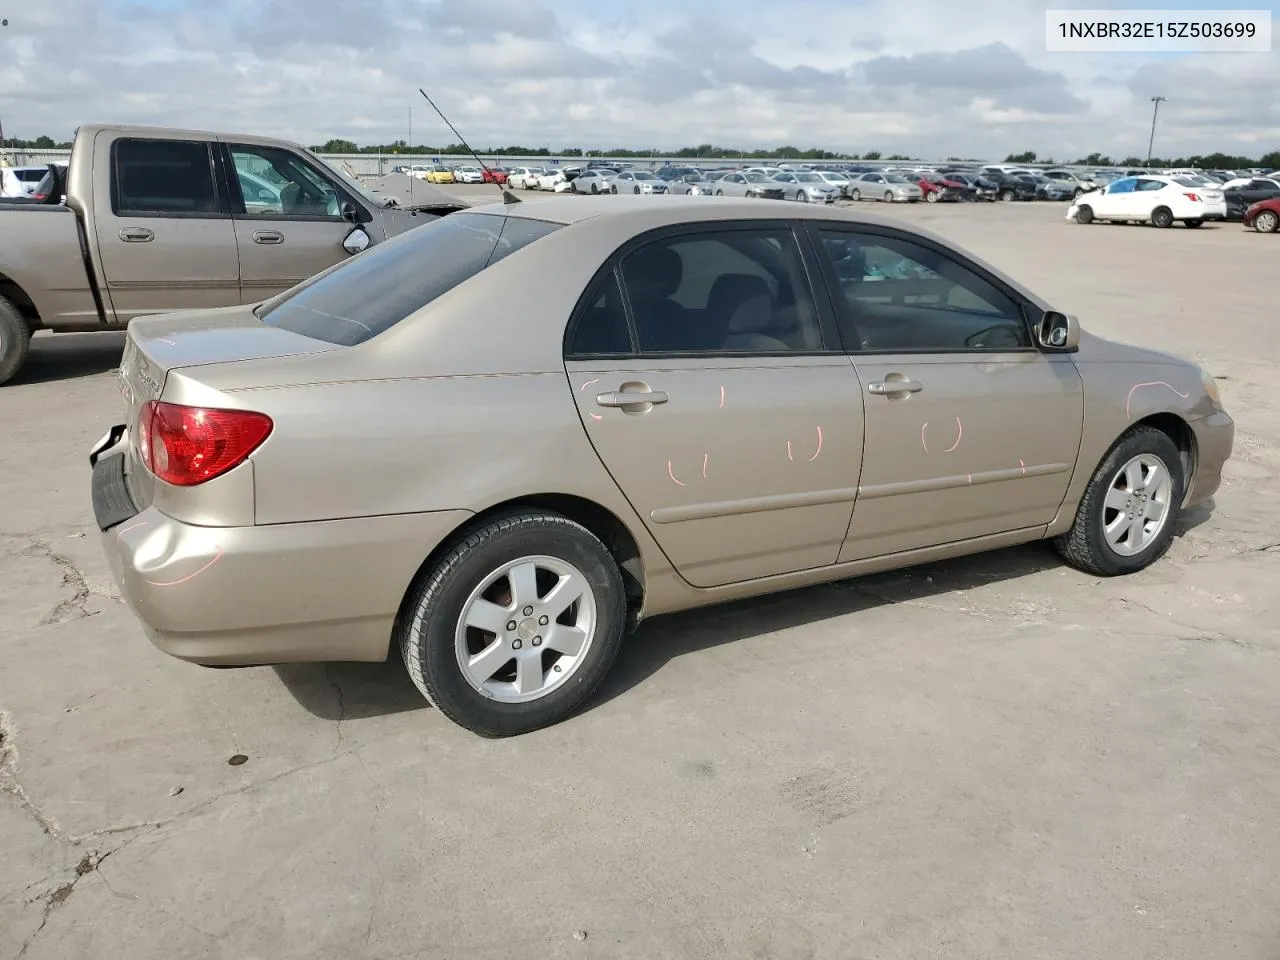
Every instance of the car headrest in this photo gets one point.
(654, 272)
(740, 303)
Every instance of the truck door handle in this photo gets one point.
(268, 236)
(137, 234)
(637, 398)
(888, 388)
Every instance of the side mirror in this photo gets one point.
(1059, 332)
(356, 241)
(349, 212)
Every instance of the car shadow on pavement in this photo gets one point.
(66, 356)
(353, 691)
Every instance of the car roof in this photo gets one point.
(672, 210)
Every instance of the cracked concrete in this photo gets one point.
(996, 757)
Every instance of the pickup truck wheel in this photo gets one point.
(1127, 514)
(516, 625)
(15, 340)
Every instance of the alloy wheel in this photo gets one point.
(1137, 505)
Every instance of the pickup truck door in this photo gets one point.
(162, 226)
(287, 215)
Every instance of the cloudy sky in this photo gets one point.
(929, 78)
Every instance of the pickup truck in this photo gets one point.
(157, 220)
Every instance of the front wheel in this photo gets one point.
(1162, 217)
(636, 190)
(1008, 195)
(595, 189)
(719, 193)
(1266, 222)
(1126, 518)
(614, 190)
(1084, 214)
(856, 195)
(931, 196)
(888, 196)
(802, 197)
(515, 627)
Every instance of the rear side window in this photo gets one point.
(372, 292)
(171, 177)
(31, 174)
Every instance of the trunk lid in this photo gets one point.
(157, 345)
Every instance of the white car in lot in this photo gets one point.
(553, 181)
(469, 175)
(1153, 199)
(526, 178)
(593, 181)
(21, 181)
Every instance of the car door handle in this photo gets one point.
(890, 387)
(137, 234)
(268, 236)
(630, 398)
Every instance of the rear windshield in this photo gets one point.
(31, 174)
(375, 290)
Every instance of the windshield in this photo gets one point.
(641, 175)
(895, 178)
(1193, 181)
(756, 178)
(372, 292)
(809, 178)
(351, 183)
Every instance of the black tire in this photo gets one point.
(856, 195)
(636, 190)
(1007, 195)
(888, 196)
(1084, 546)
(1162, 217)
(1266, 222)
(931, 196)
(1194, 223)
(426, 625)
(1084, 214)
(573, 188)
(595, 189)
(802, 197)
(15, 340)
(614, 189)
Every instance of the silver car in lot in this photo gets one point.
(593, 181)
(744, 183)
(691, 185)
(807, 187)
(836, 179)
(638, 181)
(889, 187)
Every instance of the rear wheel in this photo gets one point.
(1266, 222)
(1084, 214)
(15, 340)
(1162, 217)
(1126, 518)
(515, 627)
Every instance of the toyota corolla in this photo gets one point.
(495, 443)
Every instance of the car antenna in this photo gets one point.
(507, 195)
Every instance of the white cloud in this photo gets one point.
(927, 78)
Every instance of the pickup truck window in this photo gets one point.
(372, 292)
(279, 184)
(163, 177)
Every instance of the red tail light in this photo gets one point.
(1193, 197)
(185, 446)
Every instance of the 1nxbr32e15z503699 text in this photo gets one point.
(1157, 31)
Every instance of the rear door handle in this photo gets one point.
(890, 387)
(268, 236)
(137, 234)
(630, 398)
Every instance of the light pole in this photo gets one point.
(1155, 112)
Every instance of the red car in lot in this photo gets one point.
(496, 175)
(936, 187)
(1264, 216)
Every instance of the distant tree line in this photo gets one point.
(1209, 161)
(707, 151)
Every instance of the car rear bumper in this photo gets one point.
(1215, 438)
(279, 593)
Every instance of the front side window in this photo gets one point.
(905, 297)
(166, 177)
(278, 183)
(721, 292)
(372, 292)
(1127, 185)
